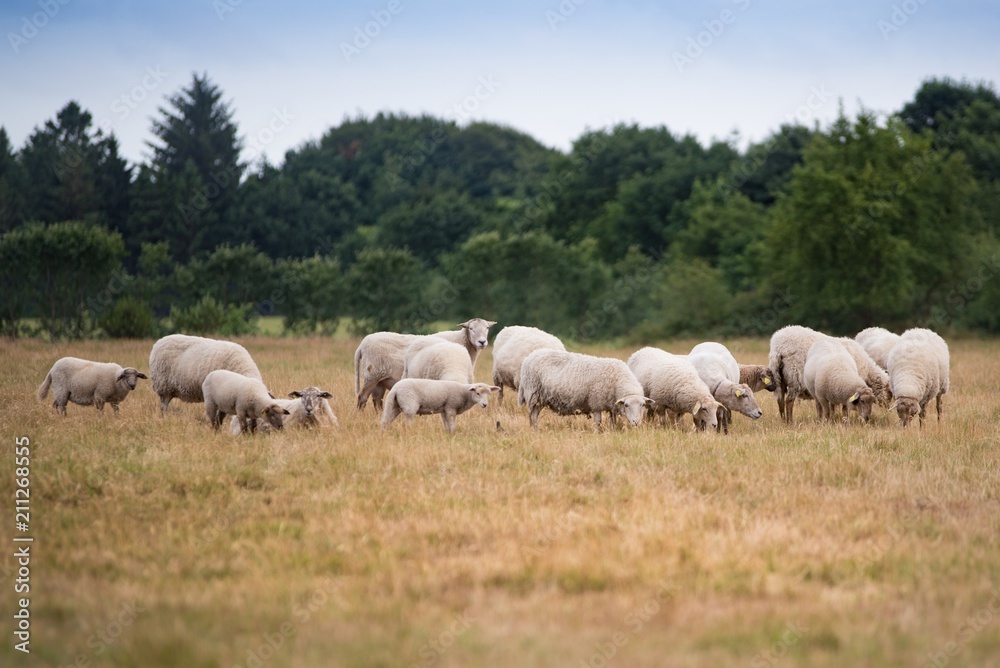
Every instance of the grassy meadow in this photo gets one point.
(161, 543)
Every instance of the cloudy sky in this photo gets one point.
(551, 68)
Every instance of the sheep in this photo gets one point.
(511, 346)
(230, 393)
(915, 376)
(831, 377)
(758, 377)
(423, 396)
(721, 373)
(787, 357)
(436, 359)
(877, 342)
(307, 408)
(572, 383)
(943, 357)
(179, 365)
(673, 383)
(378, 360)
(84, 383)
(874, 375)
(789, 346)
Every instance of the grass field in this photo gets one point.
(160, 543)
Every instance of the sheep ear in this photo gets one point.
(326, 395)
(650, 403)
(892, 405)
(139, 374)
(620, 402)
(490, 323)
(463, 325)
(853, 398)
(294, 394)
(767, 381)
(494, 388)
(739, 393)
(697, 407)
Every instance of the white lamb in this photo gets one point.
(831, 377)
(915, 377)
(307, 408)
(511, 346)
(572, 383)
(230, 393)
(877, 342)
(721, 373)
(673, 383)
(84, 382)
(378, 360)
(940, 351)
(422, 396)
(437, 359)
(179, 364)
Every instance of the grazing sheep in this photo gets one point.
(230, 393)
(943, 357)
(915, 377)
(789, 346)
(178, 365)
(571, 383)
(437, 359)
(877, 342)
(511, 346)
(307, 408)
(378, 361)
(874, 375)
(84, 382)
(758, 377)
(673, 383)
(423, 396)
(831, 377)
(721, 373)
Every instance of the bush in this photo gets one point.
(210, 317)
(128, 318)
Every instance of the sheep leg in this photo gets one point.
(938, 406)
(533, 416)
(115, 407)
(448, 417)
(99, 403)
(390, 413)
(164, 404)
(597, 420)
(789, 406)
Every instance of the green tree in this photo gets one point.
(312, 294)
(65, 273)
(11, 185)
(232, 275)
(386, 290)
(430, 227)
(939, 101)
(873, 229)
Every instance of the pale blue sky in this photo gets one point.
(549, 68)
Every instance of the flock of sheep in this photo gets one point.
(408, 374)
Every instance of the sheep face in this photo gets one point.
(312, 398)
(769, 379)
(130, 377)
(744, 402)
(863, 402)
(632, 407)
(706, 415)
(907, 409)
(477, 330)
(482, 393)
(275, 415)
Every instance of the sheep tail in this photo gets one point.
(43, 391)
(357, 372)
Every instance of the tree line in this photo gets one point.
(400, 222)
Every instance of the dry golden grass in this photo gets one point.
(774, 546)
